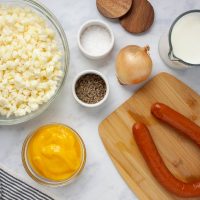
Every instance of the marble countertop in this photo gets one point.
(100, 180)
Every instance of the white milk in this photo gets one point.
(185, 38)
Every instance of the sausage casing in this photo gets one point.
(158, 168)
(177, 120)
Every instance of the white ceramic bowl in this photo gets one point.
(97, 23)
(87, 104)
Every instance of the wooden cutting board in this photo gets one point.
(181, 156)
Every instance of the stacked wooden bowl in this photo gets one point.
(136, 16)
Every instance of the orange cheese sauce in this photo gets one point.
(55, 152)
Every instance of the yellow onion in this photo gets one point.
(133, 64)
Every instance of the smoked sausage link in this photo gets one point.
(177, 120)
(158, 168)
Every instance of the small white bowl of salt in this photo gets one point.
(95, 39)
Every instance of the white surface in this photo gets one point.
(100, 180)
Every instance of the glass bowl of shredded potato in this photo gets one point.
(34, 60)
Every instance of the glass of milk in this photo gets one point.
(181, 49)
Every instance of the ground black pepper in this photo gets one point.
(90, 88)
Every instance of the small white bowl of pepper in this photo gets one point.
(90, 88)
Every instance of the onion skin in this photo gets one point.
(133, 65)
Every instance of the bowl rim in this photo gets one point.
(87, 104)
(94, 22)
(42, 9)
(45, 181)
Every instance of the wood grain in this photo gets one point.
(113, 8)
(140, 17)
(180, 155)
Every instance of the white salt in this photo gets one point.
(96, 40)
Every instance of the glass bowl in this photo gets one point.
(42, 180)
(54, 24)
